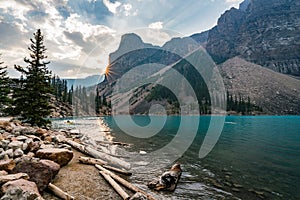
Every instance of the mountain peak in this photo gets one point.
(129, 42)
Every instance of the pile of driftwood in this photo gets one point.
(105, 164)
(109, 165)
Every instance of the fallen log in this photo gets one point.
(93, 161)
(168, 180)
(115, 185)
(99, 155)
(124, 182)
(58, 192)
(113, 143)
(117, 170)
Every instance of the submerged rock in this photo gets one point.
(138, 196)
(168, 180)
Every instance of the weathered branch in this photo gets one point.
(115, 185)
(58, 192)
(124, 182)
(100, 155)
(93, 161)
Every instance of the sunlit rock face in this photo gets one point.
(261, 31)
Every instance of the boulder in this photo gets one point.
(21, 138)
(12, 177)
(4, 144)
(18, 153)
(40, 132)
(7, 165)
(42, 172)
(3, 156)
(15, 144)
(60, 156)
(20, 189)
(2, 173)
(33, 146)
(9, 152)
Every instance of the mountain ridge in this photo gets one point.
(260, 64)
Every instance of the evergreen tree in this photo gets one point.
(5, 101)
(97, 102)
(70, 96)
(65, 91)
(32, 99)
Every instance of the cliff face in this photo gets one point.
(134, 52)
(266, 32)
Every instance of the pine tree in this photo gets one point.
(65, 91)
(32, 99)
(5, 101)
(97, 102)
(70, 96)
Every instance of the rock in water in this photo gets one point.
(20, 190)
(41, 172)
(138, 196)
(168, 180)
(60, 156)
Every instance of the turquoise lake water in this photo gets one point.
(256, 157)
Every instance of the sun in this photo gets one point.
(109, 73)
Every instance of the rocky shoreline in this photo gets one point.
(32, 159)
(37, 163)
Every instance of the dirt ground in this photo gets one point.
(82, 182)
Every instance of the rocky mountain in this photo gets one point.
(276, 93)
(254, 47)
(265, 32)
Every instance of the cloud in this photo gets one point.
(112, 7)
(82, 33)
(233, 1)
(69, 37)
(156, 25)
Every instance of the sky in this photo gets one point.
(80, 34)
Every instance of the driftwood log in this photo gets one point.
(99, 155)
(168, 180)
(58, 192)
(93, 161)
(124, 182)
(113, 143)
(115, 185)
